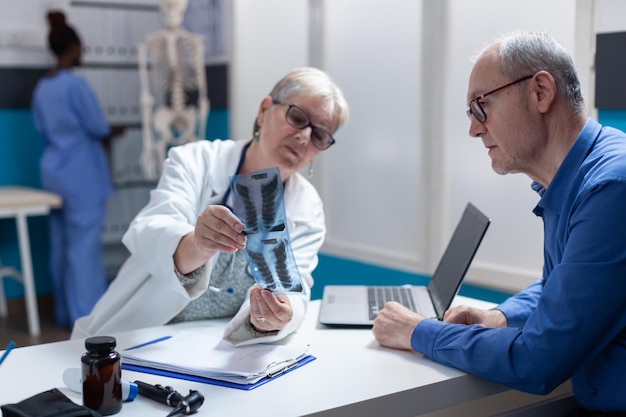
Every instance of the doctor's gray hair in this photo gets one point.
(312, 83)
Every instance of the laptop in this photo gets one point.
(358, 305)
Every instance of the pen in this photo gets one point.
(8, 349)
(282, 368)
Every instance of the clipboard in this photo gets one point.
(228, 377)
(245, 387)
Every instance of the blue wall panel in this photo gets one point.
(20, 151)
(615, 118)
(333, 270)
(217, 125)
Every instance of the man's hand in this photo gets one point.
(470, 315)
(268, 311)
(394, 326)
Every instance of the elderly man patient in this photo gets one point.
(525, 105)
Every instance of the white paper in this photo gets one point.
(198, 354)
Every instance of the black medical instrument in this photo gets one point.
(169, 396)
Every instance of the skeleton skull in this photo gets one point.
(173, 12)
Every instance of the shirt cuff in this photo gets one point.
(257, 333)
(508, 309)
(192, 277)
(424, 335)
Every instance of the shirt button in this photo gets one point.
(594, 391)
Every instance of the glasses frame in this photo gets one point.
(308, 124)
(475, 109)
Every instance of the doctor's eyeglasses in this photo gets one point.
(297, 118)
(476, 110)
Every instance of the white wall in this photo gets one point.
(24, 28)
(511, 255)
(268, 38)
(398, 182)
(377, 158)
(404, 167)
(609, 15)
(23, 32)
(369, 179)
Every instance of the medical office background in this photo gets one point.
(396, 182)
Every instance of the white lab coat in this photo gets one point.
(147, 291)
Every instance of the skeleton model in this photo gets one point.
(171, 71)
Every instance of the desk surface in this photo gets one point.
(351, 376)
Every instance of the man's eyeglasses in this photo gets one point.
(475, 108)
(299, 119)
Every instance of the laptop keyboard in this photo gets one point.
(378, 296)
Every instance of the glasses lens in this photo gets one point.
(477, 111)
(321, 138)
(297, 118)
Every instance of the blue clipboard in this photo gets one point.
(246, 387)
(211, 381)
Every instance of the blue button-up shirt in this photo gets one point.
(572, 322)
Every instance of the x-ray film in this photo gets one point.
(258, 202)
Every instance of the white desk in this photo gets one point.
(19, 203)
(352, 376)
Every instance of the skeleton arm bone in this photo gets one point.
(147, 102)
(203, 101)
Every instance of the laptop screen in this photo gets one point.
(457, 258)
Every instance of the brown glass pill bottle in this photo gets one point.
(102, 375)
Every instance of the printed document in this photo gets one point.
(198, 354)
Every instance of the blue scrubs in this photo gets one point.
(74, 165)
(572, 322)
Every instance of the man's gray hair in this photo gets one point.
(524, 53)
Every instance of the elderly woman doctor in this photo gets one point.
(186, 263)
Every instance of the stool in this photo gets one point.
(6, 271)
(19, 203)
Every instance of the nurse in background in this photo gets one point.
(74, 166)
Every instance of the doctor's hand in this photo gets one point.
(268, 311)
(394, 326)
(469, 315)
(217, 229)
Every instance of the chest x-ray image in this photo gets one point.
(258, 202)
